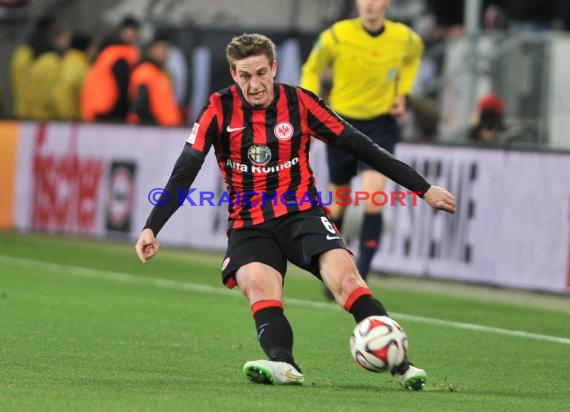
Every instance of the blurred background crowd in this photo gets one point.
(489, 73)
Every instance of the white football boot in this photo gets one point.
(271, 372)
(412, 379)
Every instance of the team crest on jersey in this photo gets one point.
(259, 154)
(283, 130)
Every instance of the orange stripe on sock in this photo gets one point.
(353, 297)
(264, 304)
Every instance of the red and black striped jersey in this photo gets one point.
(263, 153)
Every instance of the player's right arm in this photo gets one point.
(203, 135)
(321, 57)
(185, 171)
(147, 246)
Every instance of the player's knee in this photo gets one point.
(376, 202)
(256, 283)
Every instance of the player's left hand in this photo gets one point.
(439, 198)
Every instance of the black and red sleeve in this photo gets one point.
(204, 133)
(326, 125)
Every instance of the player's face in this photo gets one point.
(159, 52)
(254, 75)
(371, 10)
(130, 35)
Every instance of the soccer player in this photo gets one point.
(261, 131)
(374, 63)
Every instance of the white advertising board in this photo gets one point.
(511, 227)
(95, 180)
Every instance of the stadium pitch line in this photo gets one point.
(195, 287)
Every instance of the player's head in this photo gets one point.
(253, 67)
(159, 47)
(372, 11)
(60, 36)
(129, 30)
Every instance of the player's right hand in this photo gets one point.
(147, 246)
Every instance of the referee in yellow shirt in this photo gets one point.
(374, 63)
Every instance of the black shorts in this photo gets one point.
(384, 131)
(299, 238)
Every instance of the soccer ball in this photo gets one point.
(379, 344)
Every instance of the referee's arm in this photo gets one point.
(411, 66)
(319, 59)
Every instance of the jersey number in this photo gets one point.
(328, 225)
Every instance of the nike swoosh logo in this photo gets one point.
(294, 377)
(261, 330)
(329, 237)
(234, 129)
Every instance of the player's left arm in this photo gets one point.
(364, 149)
(329, 127)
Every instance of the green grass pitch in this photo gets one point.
(85, 327)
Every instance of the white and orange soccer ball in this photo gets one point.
(379, 344)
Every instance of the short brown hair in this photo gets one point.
(249, 44)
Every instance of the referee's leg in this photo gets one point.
(372, 222)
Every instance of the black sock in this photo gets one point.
(401, 368)
(275, 335)
(369, 241)
(365, 306)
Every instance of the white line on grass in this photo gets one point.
(173, 284)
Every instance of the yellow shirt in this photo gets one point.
(22, 60)
(67, 90)
(368, 72)
(44, 75)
